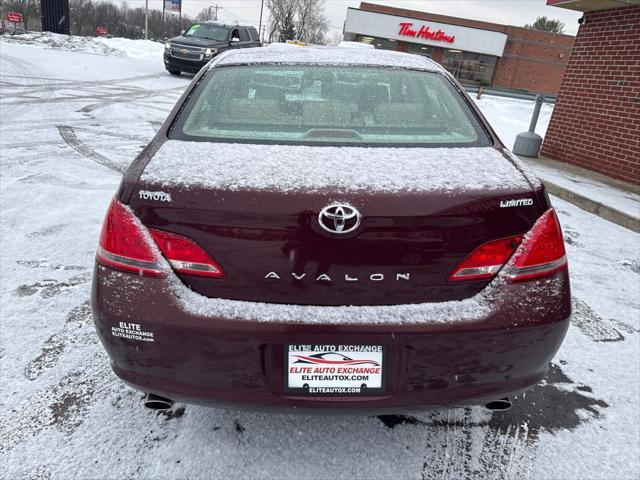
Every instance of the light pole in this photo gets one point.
(260, 25)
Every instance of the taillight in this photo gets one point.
(538, 254)
(486, 260)
(124, 244)
(185, 255)
(542, 251)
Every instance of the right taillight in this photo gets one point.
(537, 254)
(541, 252)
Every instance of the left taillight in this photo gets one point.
(124, 245)
(185, 255)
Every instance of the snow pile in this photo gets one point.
(142, 49)
(228, 166)
(119, 47)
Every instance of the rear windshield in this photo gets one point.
(210, 32)
(308, 104)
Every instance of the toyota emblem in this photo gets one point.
(339, 218)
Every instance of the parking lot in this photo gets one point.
(69, 127)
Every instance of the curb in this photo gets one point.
(608, 213)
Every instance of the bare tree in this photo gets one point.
(311, 24)
(121, 20)
(28, 8)
(335, 39)
(208, 13)
(297, 19)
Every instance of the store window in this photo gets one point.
(380, 43)
(421, 50)
(470, 67)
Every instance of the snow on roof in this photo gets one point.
(327, 56)
(235, 166)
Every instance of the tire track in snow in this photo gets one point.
(10, 111)
(475, 444)
(63, 406)
(69, 136)
(73, 332)
(599, 329)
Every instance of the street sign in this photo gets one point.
(102, 31)
(14, 17)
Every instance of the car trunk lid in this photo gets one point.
(255, 210)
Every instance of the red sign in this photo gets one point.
(425, 33)
(102, 31)
(14, 17)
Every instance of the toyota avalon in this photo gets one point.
(329, 229)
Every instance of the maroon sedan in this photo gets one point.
(329, 229)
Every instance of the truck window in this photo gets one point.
(244, 35)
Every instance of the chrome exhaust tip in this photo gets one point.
(499, 405)
(156, 402)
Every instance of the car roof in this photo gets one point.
(227, 25)
(326, 56)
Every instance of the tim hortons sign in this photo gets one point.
(425, 32)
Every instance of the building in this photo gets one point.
(596, 120)
(489, 54)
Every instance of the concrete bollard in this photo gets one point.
(528, 143)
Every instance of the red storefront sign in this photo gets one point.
(14, 17)
(102, 30)
(425, 33)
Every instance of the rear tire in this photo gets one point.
(174, 72)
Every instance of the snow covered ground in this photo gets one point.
(69, 124)
(511, 116)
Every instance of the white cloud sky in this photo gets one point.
(510, 12)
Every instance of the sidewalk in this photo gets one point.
(613, 200)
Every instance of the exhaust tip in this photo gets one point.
(156, 402)
(499, 405)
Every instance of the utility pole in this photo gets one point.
(216, 7)
(146, 19)
(260, 25)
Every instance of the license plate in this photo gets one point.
(334, 369)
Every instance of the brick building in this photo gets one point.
(484, 53)
(596, 120)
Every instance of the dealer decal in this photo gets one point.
(132, 331)
(334, 369)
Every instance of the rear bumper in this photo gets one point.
(200, 358)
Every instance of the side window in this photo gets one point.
(254, 35)
(244, 35)
(234, 34)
